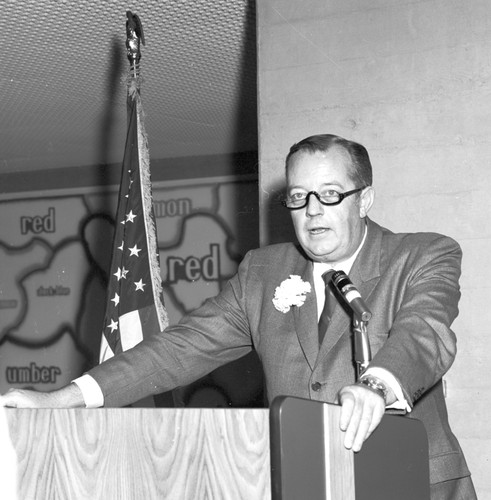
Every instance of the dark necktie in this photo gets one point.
(329, 304)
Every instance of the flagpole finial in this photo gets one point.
(134, 35)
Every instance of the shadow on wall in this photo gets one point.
(278, 220)
(97, 230)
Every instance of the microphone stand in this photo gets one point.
(361, 316)
(362, 352)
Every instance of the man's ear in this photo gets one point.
(366, 201)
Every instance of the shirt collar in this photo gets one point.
(344, 265)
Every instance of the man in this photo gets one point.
(272, 305)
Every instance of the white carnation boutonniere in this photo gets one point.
(291, 292)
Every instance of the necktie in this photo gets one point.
(329, 304)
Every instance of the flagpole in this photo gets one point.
(134, 305)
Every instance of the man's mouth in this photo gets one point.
(318, 230)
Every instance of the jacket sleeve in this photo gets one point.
(420, 346)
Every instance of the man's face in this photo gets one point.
(327, 233)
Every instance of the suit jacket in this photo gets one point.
(410, 283)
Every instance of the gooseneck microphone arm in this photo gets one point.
(361, 316)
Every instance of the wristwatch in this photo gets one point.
(375, 385)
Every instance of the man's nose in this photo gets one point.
(314, 206)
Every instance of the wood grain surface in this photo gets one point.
(142, 453)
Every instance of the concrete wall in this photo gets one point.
(411, 80)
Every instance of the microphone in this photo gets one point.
(351, 295)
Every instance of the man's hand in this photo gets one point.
(67, 397)
(361, 412)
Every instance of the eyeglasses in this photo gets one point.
(301, 200)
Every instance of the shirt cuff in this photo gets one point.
(91, 391)
(389, 380)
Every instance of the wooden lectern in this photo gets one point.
(142, 453)
(195, 454)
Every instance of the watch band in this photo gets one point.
(375, 385)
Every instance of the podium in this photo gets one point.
(308, 458)
(283, 453)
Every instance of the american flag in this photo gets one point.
(134, 305)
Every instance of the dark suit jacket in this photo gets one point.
(410, 283)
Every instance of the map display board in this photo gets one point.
(55, 251)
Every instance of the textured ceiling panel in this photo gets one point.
(62, 91)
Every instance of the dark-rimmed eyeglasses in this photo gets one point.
(301, 200)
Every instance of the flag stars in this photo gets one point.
(115, 299)
(113, 325)
(130, 217)
(135, 251)
(139, 285)
(121, 273)
(121, 247)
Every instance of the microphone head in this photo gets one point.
(340, 280)
(344, 286)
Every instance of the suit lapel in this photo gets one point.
(365, 275)
(305, 317)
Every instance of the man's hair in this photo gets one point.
(361, 171)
